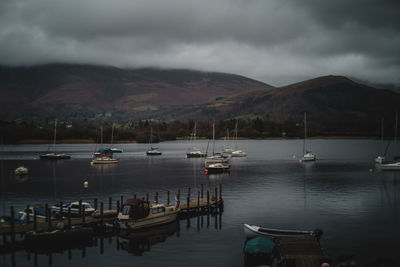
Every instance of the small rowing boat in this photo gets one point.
(253, 231)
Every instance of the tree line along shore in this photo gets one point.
(30, 132)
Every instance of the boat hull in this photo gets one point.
(253, 231)
(391, 166)
(104, 161)
(141, 224)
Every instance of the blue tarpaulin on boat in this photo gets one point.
(259, 245)
(105, 151)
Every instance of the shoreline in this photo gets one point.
(90, 141)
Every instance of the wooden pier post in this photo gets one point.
(179, 194)
(69, 217)
(188, 204)
(198, 201)
(95, 203)
(216, 199)
(12, 214)
(34, 220)
(208, 201)
(147, 196)
(134, 196)
(188, 193)
(27, 214)
(156, 198)
(220, 193)
(49, 217)
(167, 197)
(46, 206)
(83, 213)
(110, 203)
(118, 207)
(61, 209)
(121, 200)
(202, 191)
(101, 211)
(80, 207)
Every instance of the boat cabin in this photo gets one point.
(134, 209)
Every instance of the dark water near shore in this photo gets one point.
(358, 210)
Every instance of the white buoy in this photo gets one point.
(85, 184)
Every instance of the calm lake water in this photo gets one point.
(358, 210)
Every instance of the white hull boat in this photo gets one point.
(395, 166)
(253, 231)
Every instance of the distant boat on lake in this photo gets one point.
(153, 151)
(395, 164)
(103, 155)
(113, 149)
(307, 155)
(21, 170)
(54, 155)
(195, 152)
(236, 152)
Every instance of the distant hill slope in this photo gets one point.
(76, 92)
(332, 103)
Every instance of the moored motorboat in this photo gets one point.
(380, 159)
(253, 231)
(75, 208)
(216, 158)
(104, 160)
(39, 210)
(137, 214)
(117, 150)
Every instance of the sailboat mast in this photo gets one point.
(101, 137)
(305, 132)
(112, 133)
(213, 137)
(236, 136)
(55, 135)
(395, 136)
(383, 120)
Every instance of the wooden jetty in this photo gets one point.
(203, 203)
(302, 251)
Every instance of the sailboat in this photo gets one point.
(195, 152)
(113, 149)
(103, 155)
(227, 149)
(153, 151)
(307, 155)
(54, 155)
(236, 152)
(217, 162)
(395, 164)
(381, 159)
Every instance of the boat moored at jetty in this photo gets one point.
(21, 170)
(137, 214)
(75, 208)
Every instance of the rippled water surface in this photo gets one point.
(357, 208)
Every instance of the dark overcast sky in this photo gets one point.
(275, 41)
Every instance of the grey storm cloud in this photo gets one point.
(276, 41)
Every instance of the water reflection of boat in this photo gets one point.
(51, 239)
(137, 214)
(137, 242)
